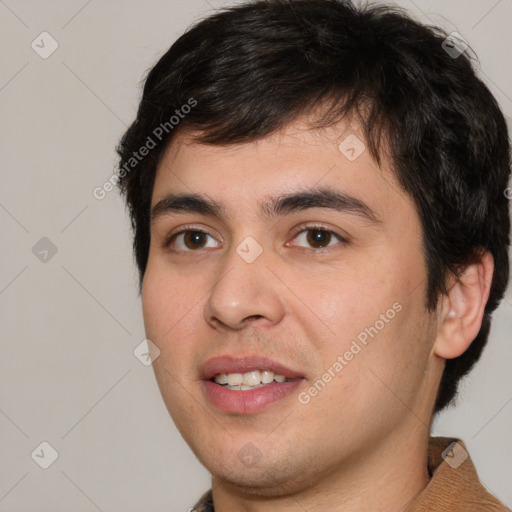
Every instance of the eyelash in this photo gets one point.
(301, 229)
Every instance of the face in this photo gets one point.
(293, 261)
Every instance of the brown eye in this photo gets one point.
(318, 238)
(194, 239)
(191, 240)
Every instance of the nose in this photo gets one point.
(244, 294)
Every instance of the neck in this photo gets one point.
(386, 479)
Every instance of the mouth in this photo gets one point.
(247, 385)
(254, 379)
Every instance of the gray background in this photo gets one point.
(70, 323)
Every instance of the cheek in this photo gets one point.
(156, 303)
(373, 321)
(170, 306)
(341, 306)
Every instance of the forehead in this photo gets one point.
(295, 158)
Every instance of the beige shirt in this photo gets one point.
(453, 487)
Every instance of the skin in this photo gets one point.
(360, 443)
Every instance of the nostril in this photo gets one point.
(253, 317)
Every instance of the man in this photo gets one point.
(318, 197)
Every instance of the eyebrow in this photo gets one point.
(274, 207)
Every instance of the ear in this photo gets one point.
(462, 309)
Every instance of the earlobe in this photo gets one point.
(462, 308)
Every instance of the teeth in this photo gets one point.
(235, 379)
(222, 378)
(267, 377)
(249, 380)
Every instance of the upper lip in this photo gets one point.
(232, 364)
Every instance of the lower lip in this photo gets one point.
(250, 401)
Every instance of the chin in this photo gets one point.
(261, 483)
(278, 477)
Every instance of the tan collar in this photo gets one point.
(454, 485)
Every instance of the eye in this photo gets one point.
(318, 237)
(190, 240)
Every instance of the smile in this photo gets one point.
(249, 380)
(247, 385)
